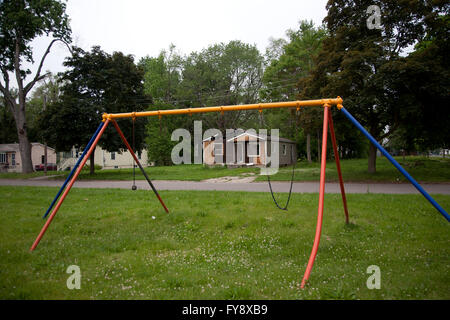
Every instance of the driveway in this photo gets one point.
(298, 187)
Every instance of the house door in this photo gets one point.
(247, 160)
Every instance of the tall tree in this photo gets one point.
(223, 74)
(96, 82)
(21, 21)
(422, 83)
(351, 61)
(161, 81)
(294, 61)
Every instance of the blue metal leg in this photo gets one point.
(396, 164)
(74, 168)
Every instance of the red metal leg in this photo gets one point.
(69, 186)
(139, 164)
(338, 165)
(315, 247)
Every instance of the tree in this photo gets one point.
(8, 132)
(96, 82)
(161, 81)
(422, 83)
(21, 21)
(222, 74)
(353, 60)
(295, 60)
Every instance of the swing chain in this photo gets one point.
(292, 177)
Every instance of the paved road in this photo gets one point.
(299, 187)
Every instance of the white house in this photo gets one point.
(242, 153)
(10, 160)
(103, 158)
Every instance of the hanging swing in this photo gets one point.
(293, 158)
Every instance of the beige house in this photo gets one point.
(103, 158)
(10, 160)
(247, 149)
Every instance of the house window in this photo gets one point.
(139, 154)
(3, 158)
(42, 159)
(113, 156)
(13, 159)
(284, 149)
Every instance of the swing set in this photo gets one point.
(327, 122)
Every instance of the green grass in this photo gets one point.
(355, 170)
(16, 175)
(186, 172)
(220, 245)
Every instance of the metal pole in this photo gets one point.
(55, 210)
(338, 165)
(256, 106)
(315, 247)
(73, 169)
(395, 163)
(139, 164)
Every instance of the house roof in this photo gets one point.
(14, 147)
(258, 136)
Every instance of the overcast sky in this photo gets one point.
(145, 27)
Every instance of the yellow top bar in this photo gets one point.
(256, 106)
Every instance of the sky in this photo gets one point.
(142, 28)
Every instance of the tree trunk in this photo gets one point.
(24, 143)
(92, 163)
(308, 147)
(372, 165)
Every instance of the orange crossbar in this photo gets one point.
(256, 106)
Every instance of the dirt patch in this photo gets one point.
(232, 179)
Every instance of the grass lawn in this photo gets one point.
(220, 245)
(354, 170)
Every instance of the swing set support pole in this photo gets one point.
(338, 165)
(69, 186)
(73, 170)
(139, 164)
(394, 162)
(323, 165)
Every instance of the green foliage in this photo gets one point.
(158, 140)
(21, 21)
(8, 132)
(293, 61)
(357, 63)
(223, 74)
(422, 83)
(96, 82)
(162, 75)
